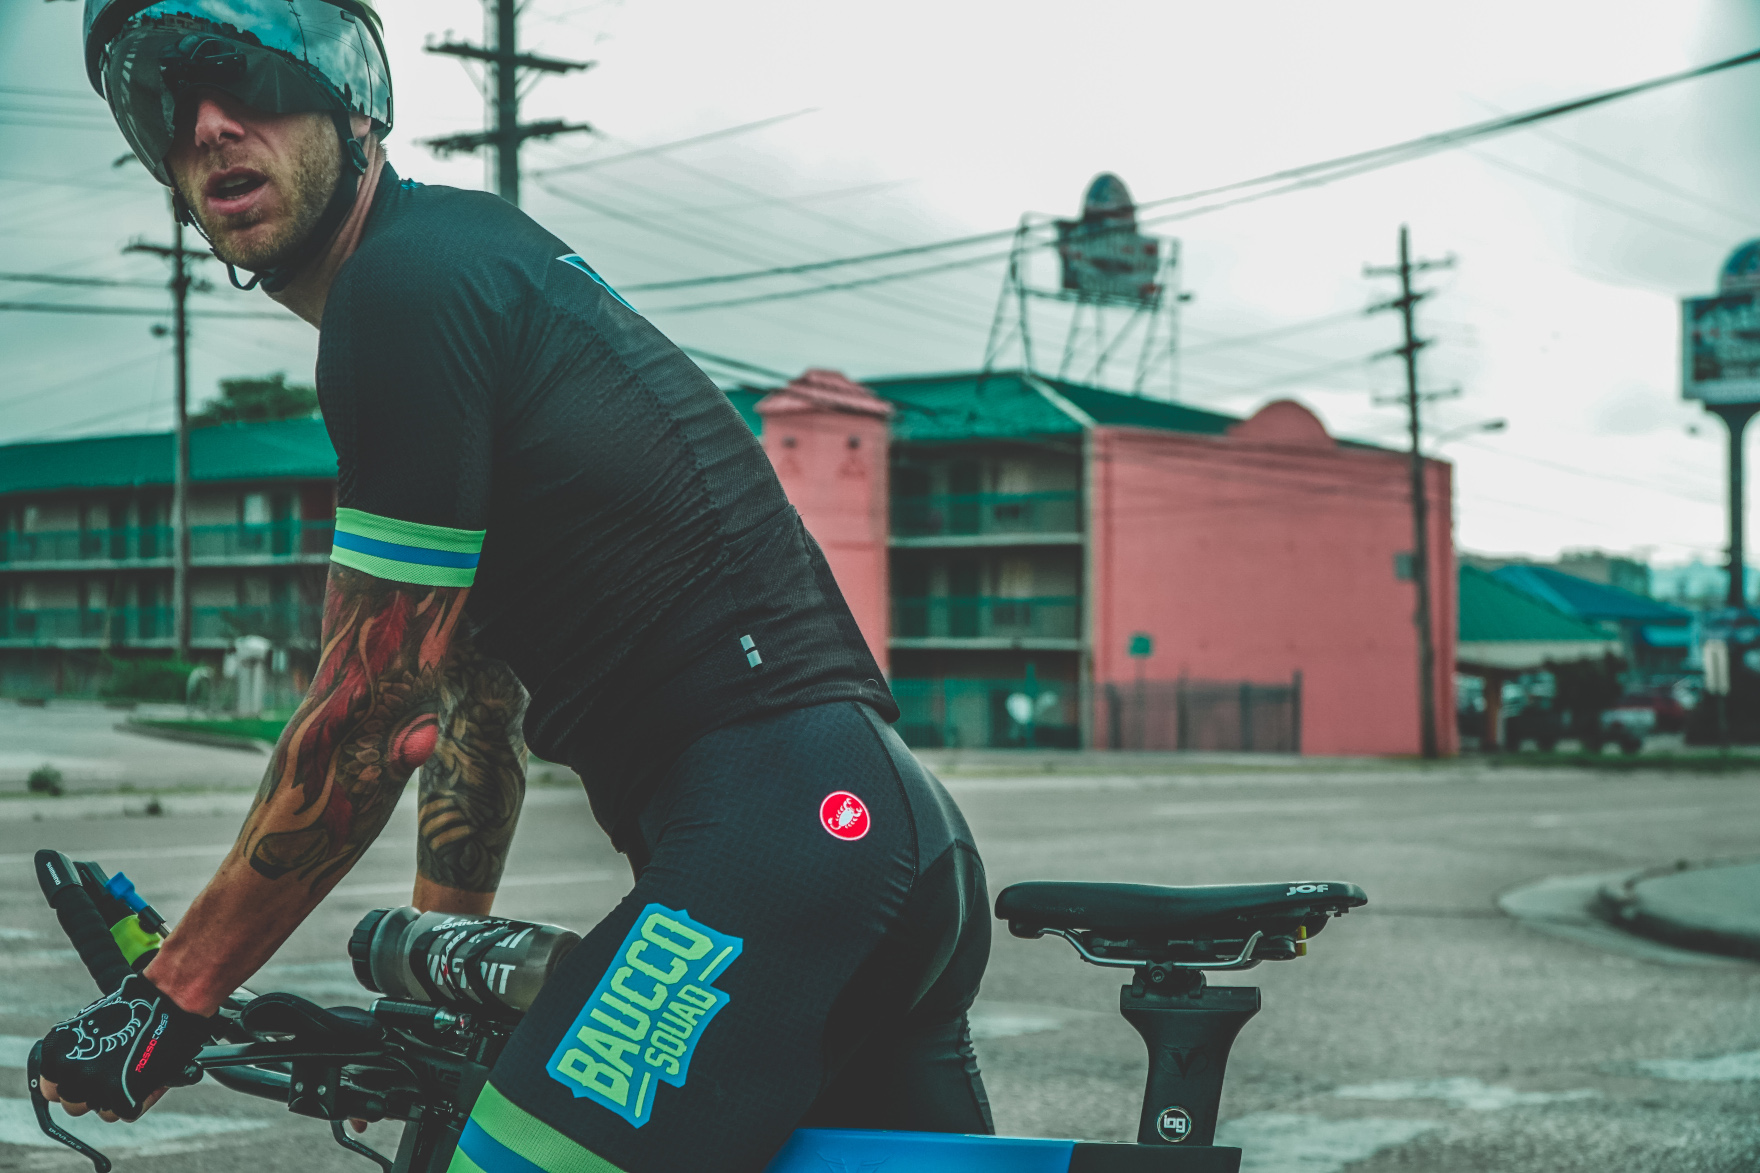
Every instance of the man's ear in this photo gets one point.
(360, 124)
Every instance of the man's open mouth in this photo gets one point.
(233, 184)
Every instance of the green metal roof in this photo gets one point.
(1004, 404)
(745, 401)
(282, 450)
(1492, 611)
(1134, 411)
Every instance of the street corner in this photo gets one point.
(1710, 906)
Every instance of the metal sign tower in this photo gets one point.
(1120, 288)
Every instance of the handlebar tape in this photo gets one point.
(81, 921)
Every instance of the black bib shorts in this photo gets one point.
(806, 933)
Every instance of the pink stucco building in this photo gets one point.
(1037, 561)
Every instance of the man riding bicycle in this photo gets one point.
(539, 494)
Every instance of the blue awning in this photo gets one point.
(1658, 636)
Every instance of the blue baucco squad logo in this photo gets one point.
(644, 1019)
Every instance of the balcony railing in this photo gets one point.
(961, 514)
(207, 543)
(122, 626)
(982, 617)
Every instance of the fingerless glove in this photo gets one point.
(119, 1050)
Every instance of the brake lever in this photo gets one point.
(52, 1130)
(354, 1146)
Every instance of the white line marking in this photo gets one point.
(1278, 1142)
(1742, 1065)
(18, 1125)
(1473, 1094)
(132, 854)
(392, 889)
(990, 1024)
(1190, 810)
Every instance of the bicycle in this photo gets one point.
(458, 985)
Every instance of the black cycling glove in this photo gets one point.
(122, 1048)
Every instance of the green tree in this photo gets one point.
(251, 400)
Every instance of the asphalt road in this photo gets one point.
(1430, 1031)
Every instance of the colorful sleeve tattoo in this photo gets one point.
(472, 786)
(366, 724)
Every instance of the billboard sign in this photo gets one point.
(1720, 336)
(1104, 257)
(1720, 348)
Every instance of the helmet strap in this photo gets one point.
(354, 156)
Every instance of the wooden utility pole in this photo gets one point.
(1413, 401)
(180, 287)
(505, 62)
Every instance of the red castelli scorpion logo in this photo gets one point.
(844, 815)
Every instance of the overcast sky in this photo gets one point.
(929, 120)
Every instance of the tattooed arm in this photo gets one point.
(472, 786)
(366, 724)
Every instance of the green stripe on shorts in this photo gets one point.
(531, 1138)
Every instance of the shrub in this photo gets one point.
(45, 779)
(148, 680)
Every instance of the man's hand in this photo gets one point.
(121, 1053)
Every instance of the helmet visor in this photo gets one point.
(278, 56)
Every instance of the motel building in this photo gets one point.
(1034, 562)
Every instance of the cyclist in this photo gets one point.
(539, 493)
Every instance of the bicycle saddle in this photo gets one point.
(1114, 923)
(341, 1028)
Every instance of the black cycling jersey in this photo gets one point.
(504, 420)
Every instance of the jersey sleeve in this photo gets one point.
(406, 377)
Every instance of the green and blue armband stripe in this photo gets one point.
(406, 551)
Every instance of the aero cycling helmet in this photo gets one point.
(279, 56)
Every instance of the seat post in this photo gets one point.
(1188, 1027)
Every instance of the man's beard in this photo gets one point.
(306, 189)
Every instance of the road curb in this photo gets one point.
(1640, 902)
(195, 737)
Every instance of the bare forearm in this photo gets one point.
(341, 763)
(471, 787)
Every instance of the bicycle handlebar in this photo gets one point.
(81, 921)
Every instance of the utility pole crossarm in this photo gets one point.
(505, 63)
(464, 144)
(517, 60)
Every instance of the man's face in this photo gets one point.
(258, 183)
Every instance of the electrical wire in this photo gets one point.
(33, 307)
(1597, 199)
(676, 144)
(1306, 175)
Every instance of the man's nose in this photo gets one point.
(213, 125)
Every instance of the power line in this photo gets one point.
(95, 282)
(716, 245)
(1311, 174)
(735, 364)
(640, 152)
(1634, 173)
(85, 378)
(49, 307)
(1598, 199)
